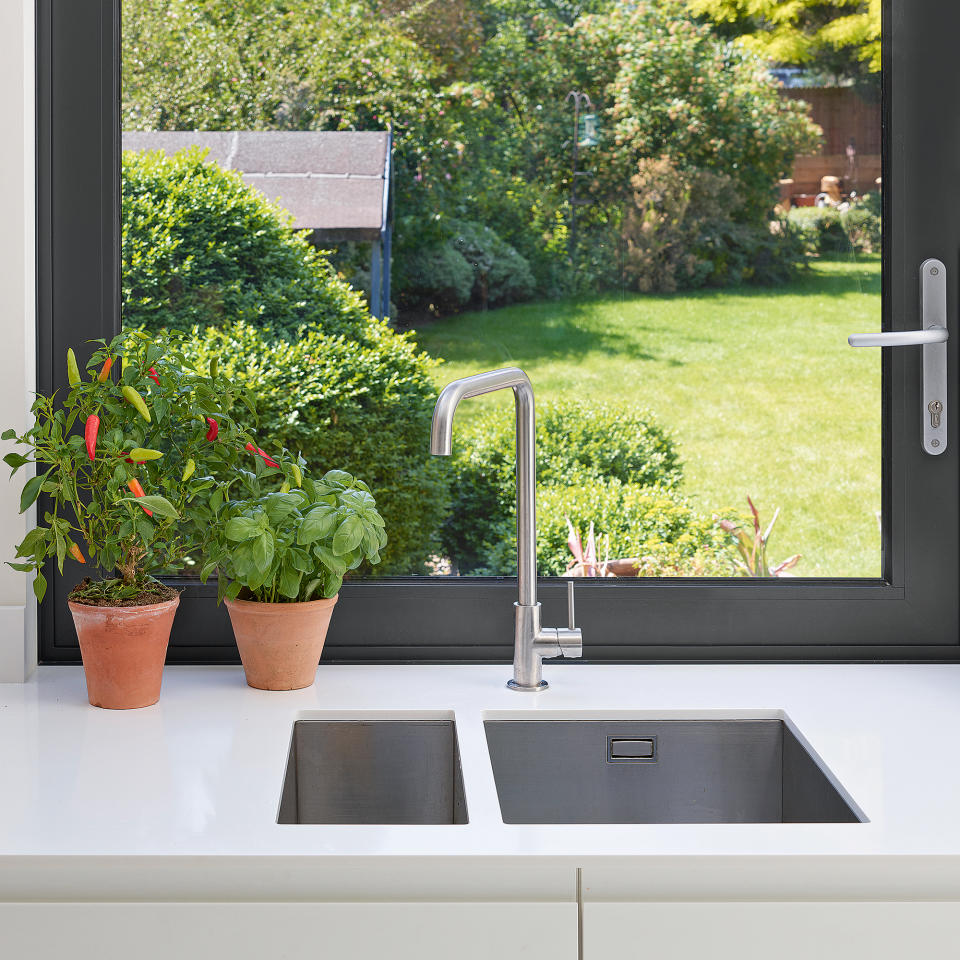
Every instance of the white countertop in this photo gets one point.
(179, 800)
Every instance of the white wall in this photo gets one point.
(17, 316)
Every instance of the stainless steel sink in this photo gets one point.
(374, 772)
(660, 771)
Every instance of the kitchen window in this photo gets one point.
(884, 588)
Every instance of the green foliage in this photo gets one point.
(272, 64)
(472, 263)
(293, 545)
(361, 403)
(836, 37)
(681, 233)
(200, 248)
(434, 276)
(659, 528)
(589, 442)
(826, 231)
(863, 229)
(92, 509)
(671, 89)
(500, 274)
(475, 93)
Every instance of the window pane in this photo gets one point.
(668, 227)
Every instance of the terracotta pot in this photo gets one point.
(123, 650)
(280, 643)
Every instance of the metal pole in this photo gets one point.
(376, 290)
(573, 178)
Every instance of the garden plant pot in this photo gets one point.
(280, 643)
(123, 650)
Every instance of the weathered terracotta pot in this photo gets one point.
(280, 643)
(123, 650)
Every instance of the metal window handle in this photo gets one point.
(933, 338)
(899, 338)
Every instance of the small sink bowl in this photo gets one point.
(660, 771)
(373, 772)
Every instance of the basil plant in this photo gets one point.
(293, 545)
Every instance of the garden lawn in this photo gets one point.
(757, 385)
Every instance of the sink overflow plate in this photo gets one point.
(631, 750)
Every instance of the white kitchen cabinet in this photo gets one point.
(771, 931)
(289, 931)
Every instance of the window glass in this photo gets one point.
(668, 214)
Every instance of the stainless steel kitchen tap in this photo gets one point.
(532, 642)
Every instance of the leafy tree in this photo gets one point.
(835, 37)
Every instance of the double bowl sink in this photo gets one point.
(561, 772)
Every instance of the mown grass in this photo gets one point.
(757, 385)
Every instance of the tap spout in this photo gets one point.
(441, 432)
(441, 444)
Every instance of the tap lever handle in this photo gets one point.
(570, 617)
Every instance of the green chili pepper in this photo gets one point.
(188, 471)
(142, 454)
(284, 487)
(297, 474)
(73, 371)
(137, 402)
(214, 365)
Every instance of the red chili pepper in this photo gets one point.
(267, 459)
(152, 374)
(136, 463)
(105, 369)
(137, 490)
(90, 434)
(76, 554)
(213, 429)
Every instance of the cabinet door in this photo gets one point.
(770, 931)
(290, 931)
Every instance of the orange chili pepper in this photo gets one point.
(105, 370)
(74, 552)
(137, 490)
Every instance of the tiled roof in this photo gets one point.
(332, 182)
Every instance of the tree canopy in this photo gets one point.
(839, 38)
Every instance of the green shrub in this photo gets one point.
(862, 227)
(500, 274)
(658, 527)
(594, 442)
(826, 231)
(360, 404)
(201, 248)
(681, 232)
(432, 276)
(470, 264)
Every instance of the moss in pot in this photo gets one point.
(281, 558)
(125, 464)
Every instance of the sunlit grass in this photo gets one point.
(758, 386)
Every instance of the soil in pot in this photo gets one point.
(280, 643)
(124, 647)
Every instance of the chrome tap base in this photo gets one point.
(513, 685)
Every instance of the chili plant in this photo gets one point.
(134, 493)
(294, 544)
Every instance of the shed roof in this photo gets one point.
(334, 183)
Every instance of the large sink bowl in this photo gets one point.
(660, 771)
(373, 772)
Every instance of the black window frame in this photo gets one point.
(911, 614)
